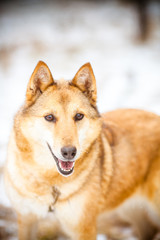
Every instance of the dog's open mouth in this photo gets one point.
(64, 167)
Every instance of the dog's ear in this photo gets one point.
(86, 82)
(40, 80)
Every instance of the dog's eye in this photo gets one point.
(50, 118)
(78, 116)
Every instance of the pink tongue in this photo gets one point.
(66, 165)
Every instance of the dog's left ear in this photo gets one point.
(86, 82)
(40, 80)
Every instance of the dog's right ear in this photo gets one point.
(40, 80)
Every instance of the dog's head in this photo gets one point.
(61, 116)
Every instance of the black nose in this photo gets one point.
(68, 152)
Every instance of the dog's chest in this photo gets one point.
(65, 208)
(68, 214)
(70, 211)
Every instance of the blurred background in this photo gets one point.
(121, 39)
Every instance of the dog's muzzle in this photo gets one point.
(65, 167)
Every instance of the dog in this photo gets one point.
(69, 163)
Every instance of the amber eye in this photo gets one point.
(50, 118)
(79, 116)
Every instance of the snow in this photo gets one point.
(67, 34)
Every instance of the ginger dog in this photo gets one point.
(67, 161)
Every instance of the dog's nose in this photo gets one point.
(68, 152)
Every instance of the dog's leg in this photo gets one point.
(85, 230)
(27, 227)
(88, 234)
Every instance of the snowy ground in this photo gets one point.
(67, 34)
